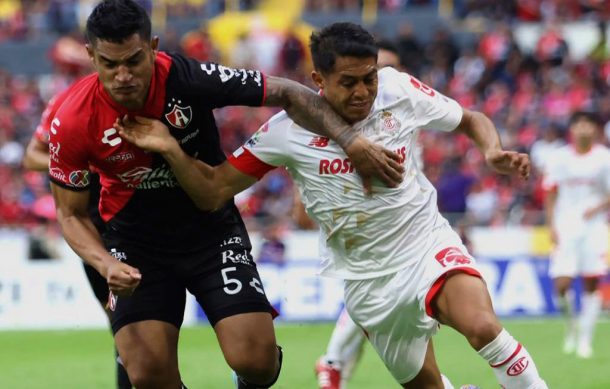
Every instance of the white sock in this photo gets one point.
(446, 382)
(512, 364)
(345, 342)
(591, 307)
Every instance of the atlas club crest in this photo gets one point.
(179, 116)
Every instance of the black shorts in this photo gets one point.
(98, 284)
(223, 279)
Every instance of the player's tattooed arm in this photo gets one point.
(313, 112)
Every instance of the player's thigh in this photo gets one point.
(429, 375)
(463, 302)
(247, 337)
(149, 348)
(388, 310)
(564, 258)
(595, 252)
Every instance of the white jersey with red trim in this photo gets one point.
(362, 237)
(582, 181)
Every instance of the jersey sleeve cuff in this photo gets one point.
(246, 162)
(264, 77)
(68, 187)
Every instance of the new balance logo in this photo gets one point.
(319, 141)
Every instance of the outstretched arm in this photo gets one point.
(483, 133)
(312, 112)
(209, 187)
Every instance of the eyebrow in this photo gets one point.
(369, 74)
(133, 56)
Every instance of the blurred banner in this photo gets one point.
(47, 294)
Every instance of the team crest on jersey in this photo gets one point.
(179, 116)
(389, 121)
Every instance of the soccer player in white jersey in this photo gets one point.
(334, 369)
(404, 269)
(578, 198)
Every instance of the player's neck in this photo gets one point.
(583, 148)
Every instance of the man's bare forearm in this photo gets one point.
(81, 235)
(309, 110)
(481, 131)
(196, 178)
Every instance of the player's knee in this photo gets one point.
(257, 363)
(151, 373)
(483, 328)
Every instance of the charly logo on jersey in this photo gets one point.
(389, 121)
(179, 116)
(111, 137)
(143, 177)
(79, 178)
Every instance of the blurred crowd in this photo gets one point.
(529, 96)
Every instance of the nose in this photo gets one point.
(123, 75)
(361, 90)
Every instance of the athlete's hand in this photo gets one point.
(509, 162)
(589, 213)
(373, 161)
(148, 134)
(122, 279)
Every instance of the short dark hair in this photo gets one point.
(116, 20)
(584, 115)
(390, 46)
(340, 39)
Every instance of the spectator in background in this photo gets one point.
(410, 49)
(453, 188)
(546, 146)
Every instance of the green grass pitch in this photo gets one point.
(83, 358)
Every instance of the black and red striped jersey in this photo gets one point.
(141, 200)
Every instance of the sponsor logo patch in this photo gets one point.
(54, 151)
(79, 178)
(57, 174)
(518, 367)
(319, 141)
(452, 256)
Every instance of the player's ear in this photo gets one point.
(154, 44)
(317, 79)
(90, 52)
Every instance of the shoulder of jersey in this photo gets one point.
(393, 86)
(76, 99)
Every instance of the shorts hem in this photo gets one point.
(440, 281)
(223, 313)
(136, 317)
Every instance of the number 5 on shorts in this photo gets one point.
(228, 281)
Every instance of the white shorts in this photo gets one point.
(580, 253)
(394, 310)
